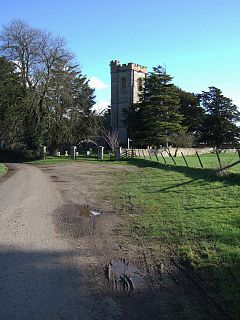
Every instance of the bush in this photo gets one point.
(18, 155)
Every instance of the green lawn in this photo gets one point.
(63, 159)
(3, 169)
(192, 211)
(195, 213)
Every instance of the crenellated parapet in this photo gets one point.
(116, 66)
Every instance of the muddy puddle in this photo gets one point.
(86, 212)
(78, 221)
(124, 277)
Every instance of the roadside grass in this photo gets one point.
(3, 169)
(192, 211)
(195, 213)
(209, 160)
(50, 160)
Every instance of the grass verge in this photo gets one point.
(63, 159)
(3, 169)
(192, 211)
(195, 213)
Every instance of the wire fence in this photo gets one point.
(219, 159)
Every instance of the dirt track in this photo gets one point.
(53, 256)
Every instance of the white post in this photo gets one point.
(43, 152)
(100, 152)
(73, 152)
(128, 143)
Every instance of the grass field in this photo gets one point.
(194, 212)
(63, 159)
(3, 169)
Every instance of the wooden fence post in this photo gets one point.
(230, 165)
(156, 155)
(184, 159)
(163, 157)
(172, 158)
(149, 154)
(199, 159)
(132, 155)
(219, 160)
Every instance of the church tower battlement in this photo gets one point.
(116, 66)
(127, 81)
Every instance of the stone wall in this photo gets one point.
(187, 151)
(164, 152)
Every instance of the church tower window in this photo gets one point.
(140, 84)
(123, 84)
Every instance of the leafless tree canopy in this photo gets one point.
(111, 138)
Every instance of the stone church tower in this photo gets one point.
(126, 82)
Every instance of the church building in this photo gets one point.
(126, 83)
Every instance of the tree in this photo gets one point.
(70, 99)
(193, 113)
(85, 124)
(11, 95)
(56, 97)
(33, 52)
(111, 138)
(182, 139)
(156, 116)
(219, 124)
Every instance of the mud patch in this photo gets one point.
(124, 277)
(56, 179)
(77, 221)
(86, 212)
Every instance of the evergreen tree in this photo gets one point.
(193, 113)
(219, 124)
(70, 99)
(56, 99)
(11, 102)
(156, 117)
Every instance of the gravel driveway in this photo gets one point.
(59, 262)
(40, 272)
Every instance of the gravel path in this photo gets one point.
(40, 273)
(53, 259)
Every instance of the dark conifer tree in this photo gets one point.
(220, 118)
(156, 117)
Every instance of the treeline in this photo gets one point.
(167, 115)
(46, 100)
(44, 97)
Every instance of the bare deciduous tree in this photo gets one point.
(111, 138)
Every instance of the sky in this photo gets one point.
(197, 41)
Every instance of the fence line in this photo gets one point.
(151, 154)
